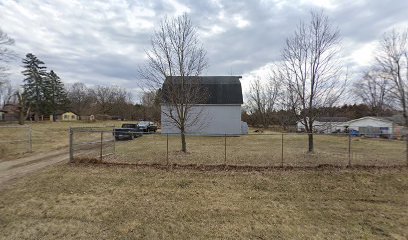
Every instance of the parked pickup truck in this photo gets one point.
(146, 126)
(127, 131)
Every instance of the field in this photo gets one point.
(46, 136)
(95, 202)
(80, 201)
(263, 150)
(257, 150)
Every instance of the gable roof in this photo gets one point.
(221, 89)
(373, 118)
(332, 119)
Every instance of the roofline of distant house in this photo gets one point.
(371, 117)
(209, 76)
(208, 104)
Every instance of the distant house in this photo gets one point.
(10, 112)
(325, 124)
(219, 113)
(370, 126)
(2, 112)
(399, 128)
(373, 126)
(69, 116)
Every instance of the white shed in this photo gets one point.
(219, 114)
(372, 125)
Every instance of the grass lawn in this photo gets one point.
(46, 136)
(265, 150)
(244, 150)
(95, 202)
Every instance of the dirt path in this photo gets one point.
(13, 169)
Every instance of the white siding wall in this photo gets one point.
(370, 122)
(214, 119)
(325, 127)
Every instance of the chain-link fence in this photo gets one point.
(91, 143)
(15, 139)
(275, 149)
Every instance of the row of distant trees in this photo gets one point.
(286, 119)
(308, 80)
(43, 92)
(112, 101)
(381, 88)
(6, 55)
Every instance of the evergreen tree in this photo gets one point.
(55, 93)
(34, 83)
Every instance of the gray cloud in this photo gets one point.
(104, 42)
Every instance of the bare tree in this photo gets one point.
(5, 55)
(109, 99)
(178, 58)
(80, 98)
(373, 90)
(392, 59)
(312, 71)
(151, 105)
(263, 97)
(7, 93)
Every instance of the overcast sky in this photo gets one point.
(103, 42)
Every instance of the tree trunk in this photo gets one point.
(183, 142)
(21, 116)
(406, 135)
(310, 138)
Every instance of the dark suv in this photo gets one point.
(146, 126)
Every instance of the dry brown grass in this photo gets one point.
(46, 136)
(262, 150)
(255, 150)
(91, 202)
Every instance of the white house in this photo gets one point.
(325, 124)
(366, 125)
(218, 113)
(372, 125)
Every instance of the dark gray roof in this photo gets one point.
(332, 119)
(220, 89)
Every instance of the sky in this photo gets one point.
(104, 42)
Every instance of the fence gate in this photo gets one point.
(91, 143)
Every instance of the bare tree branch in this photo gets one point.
(175, 61)
(392, 61)
(312, 71)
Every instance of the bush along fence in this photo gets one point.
(260, 149)
(15, 139)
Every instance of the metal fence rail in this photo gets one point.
(91, 143)
(15, 139)
(260, 149)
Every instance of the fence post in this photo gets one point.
(71, 142)
(225, 149)
(167, 150)
(101, 145)
(30, 141)
(406, 148)
(114, 141)
(282, 152)
(349, 149)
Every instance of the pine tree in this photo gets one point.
(34, 83)
(55, 93)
